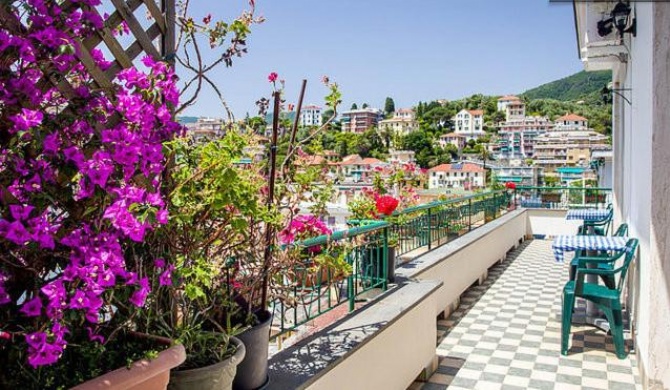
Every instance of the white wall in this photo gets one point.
(642, 181)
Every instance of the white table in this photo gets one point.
(588, 215)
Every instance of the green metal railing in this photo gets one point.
(436, 223)
(313, 290)
(562, 197)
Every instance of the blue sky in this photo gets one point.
(410, 50)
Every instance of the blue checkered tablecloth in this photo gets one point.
(588, 214)
(590, 243)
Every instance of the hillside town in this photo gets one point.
(522, 148)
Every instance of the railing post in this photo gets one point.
(351, 278)
(430, 231)
(385, 262)
(470, 214)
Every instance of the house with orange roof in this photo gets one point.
(458, 175)
(469, 123)
(504, 101)
(355, 169)
(571, 122)
(457, 140)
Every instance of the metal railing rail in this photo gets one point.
(562, 197)
(439, 222)
(316, 290)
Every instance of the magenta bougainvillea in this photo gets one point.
(80, 178)
(303, 227)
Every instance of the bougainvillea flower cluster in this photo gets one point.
(303, 227)
(80, 177)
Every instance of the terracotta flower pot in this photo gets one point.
(142, 375)
(217, 376)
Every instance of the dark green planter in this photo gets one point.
(252, 373)
(217, 376)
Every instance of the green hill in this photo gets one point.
(584, 86)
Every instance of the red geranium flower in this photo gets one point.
(273, 77)
(510, 186)
(386, 204)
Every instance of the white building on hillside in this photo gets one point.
(461, 175)
(571, 122)
(310, 116)
(469, 123)
(504, 101)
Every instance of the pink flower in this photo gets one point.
(272, 77)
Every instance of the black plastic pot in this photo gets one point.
(390, 264)
(252, 373)
(217, 376)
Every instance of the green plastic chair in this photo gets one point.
(607, 299)
(600, 228)
(622, 231)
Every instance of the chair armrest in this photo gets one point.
(582, 272)
(594, 271)
(583, 261)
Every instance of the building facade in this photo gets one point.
(359, 121)
(567, 148)
(504, 101)
(457, 140)
(571, 122)
(641, 157)
(402, 123)
(311, 116)
(517, 136)
(460, 175)
(469, 123)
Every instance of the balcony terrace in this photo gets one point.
(491, 298)
(506, 334)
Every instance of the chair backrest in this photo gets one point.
(608, 221)
(631, 249)
(622, 231)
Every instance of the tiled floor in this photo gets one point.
(506, 334)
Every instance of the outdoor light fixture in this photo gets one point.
(607, 91)
(619, 18)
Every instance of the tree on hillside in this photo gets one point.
(365, 105)
(370, 144)
(257, 123)
(422, 144)
(389, 106)
(419, 110)
(439, 118)
(354, 106)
